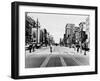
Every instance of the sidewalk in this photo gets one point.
(42, 50)
(73, 52)
(58, 50)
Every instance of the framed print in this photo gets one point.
(50, 40)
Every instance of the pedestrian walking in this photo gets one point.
(78, 46)
(84, 48)
(30, 48)
(33, 47)
(50, 48)
(74, 47)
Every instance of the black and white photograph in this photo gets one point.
(51, 40)
(56, 40)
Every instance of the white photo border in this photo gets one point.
(39, 71)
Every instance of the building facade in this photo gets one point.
(29, 24)
(69, 30)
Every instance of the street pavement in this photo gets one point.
(60, 56)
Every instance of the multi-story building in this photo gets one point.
(77, 34)
(41, 36)
(35, 35)
(69, 30)
(84, 32)
(32, 31)
(29, 24)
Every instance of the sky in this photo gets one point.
(55, 23)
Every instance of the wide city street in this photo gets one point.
(60, 56)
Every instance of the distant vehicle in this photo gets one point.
(56, 44)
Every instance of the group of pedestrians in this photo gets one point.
(31, 47)
(80, 47)
(77, 47)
